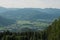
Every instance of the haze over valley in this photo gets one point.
(31, 18)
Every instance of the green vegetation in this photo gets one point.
(22, 36)
(26, 24)
(34, 23)
(23, 24)
(6, 22)
(51, 33)
(54, 30)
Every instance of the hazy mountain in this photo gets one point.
(6, 22)
(31, 13)
(2, 9)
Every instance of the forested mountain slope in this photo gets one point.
(54, 30)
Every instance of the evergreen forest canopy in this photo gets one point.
(29, 24)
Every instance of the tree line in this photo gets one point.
(51, 33)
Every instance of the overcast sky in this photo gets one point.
(30, 3)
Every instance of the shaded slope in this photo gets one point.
(5, 22)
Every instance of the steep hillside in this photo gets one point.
(54, 30)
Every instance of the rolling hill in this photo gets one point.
(6, 22)
(31, 13)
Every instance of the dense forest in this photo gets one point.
(51, 33)
(54, 30)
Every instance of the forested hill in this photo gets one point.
(6, 22)
(31, 13)
(54, 30)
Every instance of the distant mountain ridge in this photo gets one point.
(31, 13)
